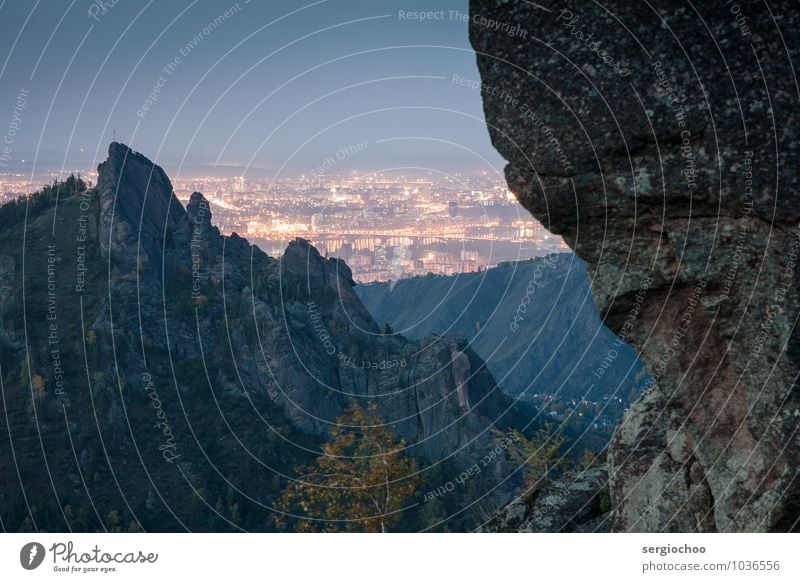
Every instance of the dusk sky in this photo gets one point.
(268, 84)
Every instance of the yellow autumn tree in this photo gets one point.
(361, 482)
(38, 383)
(39, 386)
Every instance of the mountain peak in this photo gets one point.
(301, 255)
(199, 209)
(116, 149)
(137, 205)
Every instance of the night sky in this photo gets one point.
(273, 85)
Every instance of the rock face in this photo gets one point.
(137, 211)
(578, 501)
(661, 142)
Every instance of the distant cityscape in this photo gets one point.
(386, 226)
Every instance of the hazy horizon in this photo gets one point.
(279, 87)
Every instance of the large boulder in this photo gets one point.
(661, 141)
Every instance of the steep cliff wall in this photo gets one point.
(660, 139)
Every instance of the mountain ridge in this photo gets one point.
(533, 322)
(192, 371)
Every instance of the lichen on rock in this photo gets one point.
(661, 142)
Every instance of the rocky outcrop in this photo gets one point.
(575, 502)
(421, 389)
(661, 142)
(138, 208)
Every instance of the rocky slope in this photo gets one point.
(533, 322)
(661, 142)
(159, 375)
(575, 502)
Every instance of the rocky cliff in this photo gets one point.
(158, 375)
(575, 502)
(661, 142)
